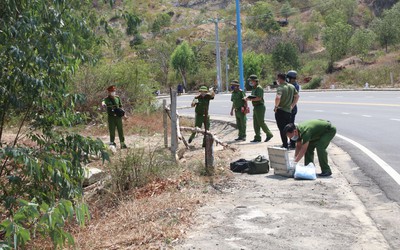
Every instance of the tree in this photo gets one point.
(183, 60)
(133, 22)
(387, 28)
(252, 65)
(361, 42)
(263, 18)
(162, 20)
(346, 7)
(286, 10)
(285, 57)
(41, 44)
(336, 39)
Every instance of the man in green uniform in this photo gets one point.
(310, 135)
(113, 104)
(257, 99)
(286, 98)
(239, 106)
(202, 102)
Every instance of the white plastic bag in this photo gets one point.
(305, 172)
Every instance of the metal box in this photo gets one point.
(279, 161)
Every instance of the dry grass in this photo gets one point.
(158, 214)
(152, 221)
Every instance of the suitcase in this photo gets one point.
(259, 165)
(279, 160)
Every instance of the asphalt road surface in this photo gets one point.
(367, 122)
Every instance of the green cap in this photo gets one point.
(235, 82)
(253, 77)
(203, 89)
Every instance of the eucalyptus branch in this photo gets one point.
(22, 124)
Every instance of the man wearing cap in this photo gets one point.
(285, 99)
(257, 99)
(201, 104)
(310, 135)
(113, 104)
(292, 76)
(239, 106)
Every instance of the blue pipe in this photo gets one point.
(239, 41)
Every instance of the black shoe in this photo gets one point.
(112, 144)
(255, 140)
(325, 174)
(190, 140)
(238, 139)
(285, 146)
(268, 138)
(123, 146)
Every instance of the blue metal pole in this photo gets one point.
(239, 41)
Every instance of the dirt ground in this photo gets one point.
(268, 211)
(241, 211)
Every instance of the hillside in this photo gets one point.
(193, 21)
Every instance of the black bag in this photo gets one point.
(239, 166)
(119, 112)
(259, 165)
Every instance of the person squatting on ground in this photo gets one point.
(201, 104)
(239, 106)
(257, 99)
(286, 98)
(113, 104)
(310, 135)
(292, 79)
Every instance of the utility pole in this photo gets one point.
(218, 54)
(226, 69)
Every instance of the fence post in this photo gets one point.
(209, 147)
(209, 155)
(174, 127)
(391, 79)
(165, 124)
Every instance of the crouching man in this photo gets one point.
(310, 135)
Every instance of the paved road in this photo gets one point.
(368, 125)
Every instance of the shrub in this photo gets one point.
(138, 167)
(313, 84)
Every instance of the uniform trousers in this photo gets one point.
(259, 122)
(321, 144)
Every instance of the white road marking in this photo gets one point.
(388, 169)
(318, 110)
(366, 116)
(344, 113)
(393, 119)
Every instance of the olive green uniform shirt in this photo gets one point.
(312, 130)
(112, 103)
(237, 99)
(286, 91)
(204, 102)
(259, 92)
